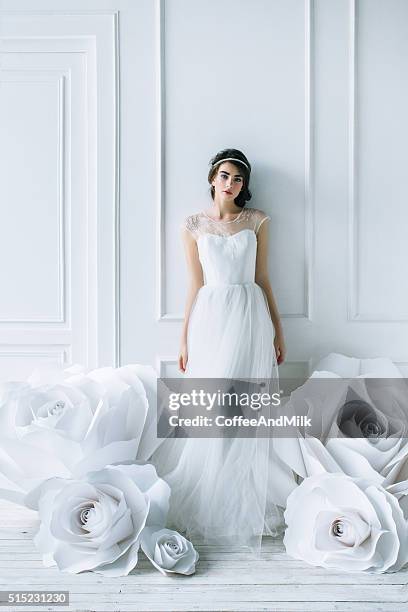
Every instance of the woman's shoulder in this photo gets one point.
(255, 216)
(192, 222)
(257, 212)
(194, 217)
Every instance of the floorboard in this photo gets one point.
(227, 580)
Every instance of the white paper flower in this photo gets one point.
(72, 424)
(343, 523)
(169, 551)
(400, 490)
(353, 367)
(95, 523)
(359, 427)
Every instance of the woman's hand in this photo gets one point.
(280, 348)
(183, 357)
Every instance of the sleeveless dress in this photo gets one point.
(222, 489)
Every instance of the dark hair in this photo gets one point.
(244, 195)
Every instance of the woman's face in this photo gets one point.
(228, 181)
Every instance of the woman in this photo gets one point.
(222, 489)
(235, 270)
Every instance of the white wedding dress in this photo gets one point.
(222, 489)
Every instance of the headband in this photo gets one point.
(220, 161)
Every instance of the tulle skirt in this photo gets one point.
(223, 490)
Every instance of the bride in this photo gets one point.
(223, 489)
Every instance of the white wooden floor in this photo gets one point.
(228, 580)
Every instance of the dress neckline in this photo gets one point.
(222, 220)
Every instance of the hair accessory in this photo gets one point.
(220, 161)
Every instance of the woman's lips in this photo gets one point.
(229, 192)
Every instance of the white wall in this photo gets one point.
(118, 106)
(58, 187)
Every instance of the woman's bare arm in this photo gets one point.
(262, 279)
(196, 280)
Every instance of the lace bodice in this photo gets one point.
(248, 218)
(227, 249)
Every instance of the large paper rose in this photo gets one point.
(400, 490)
(343, 523)
(95, 523)
(62, 407)
(359, 426)
(169, 551)
(66, 423)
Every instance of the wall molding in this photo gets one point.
(169, 360)
(95, 33)
(62, 352)
(116, 170)
(162, 315)
(353, 281)
(162, 362)
(59, 78)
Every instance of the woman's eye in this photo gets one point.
(238, 179)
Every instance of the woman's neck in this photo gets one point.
(221, 208)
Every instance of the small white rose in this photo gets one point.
(343, 523)
(95, 523)
(169, 551)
